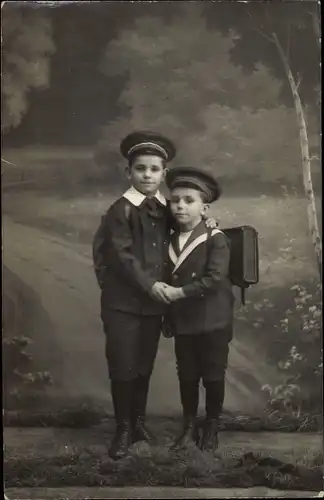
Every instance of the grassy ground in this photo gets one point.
(159, 470)
(47, 458)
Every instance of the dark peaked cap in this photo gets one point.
(196, 178)
(147, 143)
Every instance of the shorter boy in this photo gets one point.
(201, 313)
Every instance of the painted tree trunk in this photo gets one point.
(317, 27)
(306, 163)
(317, 32)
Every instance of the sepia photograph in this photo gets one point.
(161, 249)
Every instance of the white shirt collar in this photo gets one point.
(136, 198)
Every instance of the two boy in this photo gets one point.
(130, 253)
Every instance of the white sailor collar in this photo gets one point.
(198, 236)
(136, 198)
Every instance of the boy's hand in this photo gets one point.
(158, 292)
(174, 293)
(211, 222)
(166, 293)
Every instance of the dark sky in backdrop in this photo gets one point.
(81, 99)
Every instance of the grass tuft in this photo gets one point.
(192, 469)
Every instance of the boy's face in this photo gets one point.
(187, 205)
(146, 173)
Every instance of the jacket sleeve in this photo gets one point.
(98, 252)
(217, 268)
(114, 238)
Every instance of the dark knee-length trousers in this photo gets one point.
(203, 355)
(131, 343)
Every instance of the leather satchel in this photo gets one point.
(244, 257)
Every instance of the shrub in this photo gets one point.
(301, 362)
(21, 384)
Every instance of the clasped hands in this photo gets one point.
(166, 293)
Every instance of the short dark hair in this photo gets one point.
(133, 157)
(204, 196)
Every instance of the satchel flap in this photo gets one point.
(244, 260)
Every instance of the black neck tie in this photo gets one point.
(154, 208)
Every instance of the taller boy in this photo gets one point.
(130, 254)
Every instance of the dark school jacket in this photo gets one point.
(130, 253)
(201, 269)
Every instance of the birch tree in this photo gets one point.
(294, 26)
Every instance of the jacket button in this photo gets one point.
(154, 244)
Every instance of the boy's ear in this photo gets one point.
(205, 209)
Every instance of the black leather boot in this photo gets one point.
(209, 440)
(121, 440)
(189, 391)
(189, 435)
(214, 402)
(138, 411)
(121, 395)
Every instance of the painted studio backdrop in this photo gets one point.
(237, 88)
